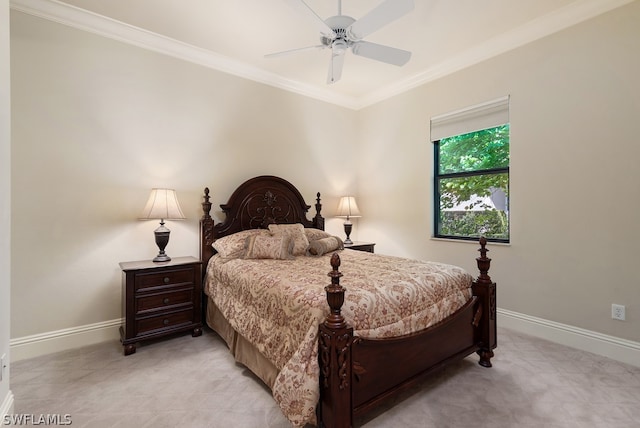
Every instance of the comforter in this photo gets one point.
(277, 305)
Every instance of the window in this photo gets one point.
(471, 173)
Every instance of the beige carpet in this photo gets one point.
(194, 382)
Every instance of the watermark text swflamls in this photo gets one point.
(41, 419)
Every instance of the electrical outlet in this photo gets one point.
(617, 312)
(3, 365)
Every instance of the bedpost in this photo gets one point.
(485, 289)
(318, 220)
(206, 231)
(334, 357)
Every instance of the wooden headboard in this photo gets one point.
(255, 204)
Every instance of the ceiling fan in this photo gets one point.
(342, 32)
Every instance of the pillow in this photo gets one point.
(232, 246)
(324, 245)
(315, 234)
(268, 247)
(296, 233)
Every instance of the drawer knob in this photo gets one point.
(166, 300)
(166, 280)
(165, 322)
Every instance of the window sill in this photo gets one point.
(464, 241)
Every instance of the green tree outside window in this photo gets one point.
(472, 185)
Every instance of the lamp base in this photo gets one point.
(162, 239)
(347, 230)
(161, 258)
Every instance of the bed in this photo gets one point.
(331, 353)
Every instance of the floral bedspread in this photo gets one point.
(277, 305)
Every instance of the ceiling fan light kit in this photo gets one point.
(341, 33)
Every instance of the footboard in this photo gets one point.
(357, 374)
(383, 367)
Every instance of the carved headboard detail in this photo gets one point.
(255, 204)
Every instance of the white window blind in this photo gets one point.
(475, 118)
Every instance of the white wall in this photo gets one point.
(5, 203)
(575, 109)
(98, 123)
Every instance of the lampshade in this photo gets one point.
(348, 207)
(162, 204)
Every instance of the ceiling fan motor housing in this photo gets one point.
(339, 25)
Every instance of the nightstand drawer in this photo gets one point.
(145, 281)
(159, 301)
(164, 321)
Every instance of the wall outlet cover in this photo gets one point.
(618, 312)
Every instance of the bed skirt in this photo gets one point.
(243, 351)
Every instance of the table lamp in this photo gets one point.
(162, 205)
(348, 208)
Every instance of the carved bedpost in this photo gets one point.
(206, 231)
(485, 289)
(334, 356)
(318, 220)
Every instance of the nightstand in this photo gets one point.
(361, 246)
(159, 299)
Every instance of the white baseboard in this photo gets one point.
(618, 349)
(623, 350)
(61, 340)
(7, 406)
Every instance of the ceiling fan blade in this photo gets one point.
(381, 53)
(386, 12)
(335, 67)
(292, 51)
(304, 9)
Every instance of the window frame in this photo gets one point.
(437, 177)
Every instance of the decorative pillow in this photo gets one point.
(296, 233)
(314, 234)
(268, 247)
(232, 246)
(324, 245)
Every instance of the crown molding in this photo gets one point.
(91, 22)
(62, 13)
(563, 18)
